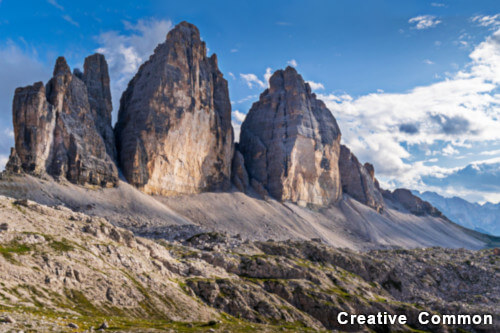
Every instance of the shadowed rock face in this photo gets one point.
(96, 78)
(174, 132)
(58, 127)
(290, 142)
(412, 203)
(359, 180)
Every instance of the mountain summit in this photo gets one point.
(174, 130)
(291, 142)
(64, 129)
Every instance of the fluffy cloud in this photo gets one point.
(449, 150)
(316, 85)
(479, 181)
(460, 111)
(126, 51)
(237, 118)
(423, 22)
(292, 63)
(251, 80)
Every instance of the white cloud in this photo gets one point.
(268, 74)
(232, 75)
(251, 80)
(237, 130)
(461, 110)
(55, 4)
(125, 52)
(428, 62)
(487, 20)
(424, 22)
(437, 4)
(239, 116)
(246, 99)
(292, 63)
(68, 19)
(316, 85)
(234, 50)
(449, 150)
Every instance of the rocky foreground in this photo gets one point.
(66, 271)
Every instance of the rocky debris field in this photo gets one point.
(68, 272)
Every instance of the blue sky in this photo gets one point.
(413, 84)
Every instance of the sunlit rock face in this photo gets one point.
(291, 143)
(174, 133)
(57, 127)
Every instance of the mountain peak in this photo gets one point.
(61, 67)
(184, 31)
(291, 143)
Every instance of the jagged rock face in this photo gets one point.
(174, 132)
(359, 180)
(34, 122)
(57, 131)
(412, 203)
(96, 78)
(291, 142)
(239, 175)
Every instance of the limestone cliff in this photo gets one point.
(359, 180)
(174, 133)
(291, 142)
(58, 128)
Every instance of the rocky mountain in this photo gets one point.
(66, 271)
(280, 232)
(412, 203)
(483, 218)
(174, 132)
(359, 180)
(63, 129)
(290, 142)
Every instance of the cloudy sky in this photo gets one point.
(414, 85)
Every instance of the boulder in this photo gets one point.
(174, 132)
(290, 142)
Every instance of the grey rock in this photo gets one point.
(359, 180)
(291, 142)
(103, 326)
(174, 132)
(239, 174)
(96, 78)
(412, 203)
(9, 319)
(58, 133)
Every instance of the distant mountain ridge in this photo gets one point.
(482, 218)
